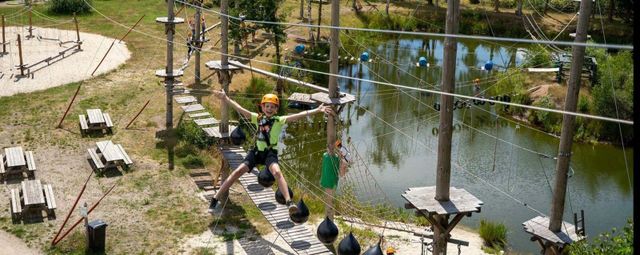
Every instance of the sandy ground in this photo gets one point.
(403, 242)
(72, 67)
(12, 245)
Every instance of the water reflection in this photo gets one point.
(394, 131)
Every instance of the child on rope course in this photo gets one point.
(345, 157)
(269, 127)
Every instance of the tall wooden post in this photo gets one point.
(571, 101)
(224, 80)
(169, 67)
(4, 41)
(310, 19)
(301, 9)
(198, 42)
(443, 176)
(319, 19)
(30, 24)
(20, 55)
(75, 20)
(333, 88)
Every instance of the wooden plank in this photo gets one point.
(32, 192)
(460, 201)
(185, 99)
(96, 160)
(14, 156)
(107, 119)
(212, 132)
(199, 115)
(207, 121)
(543, 70)
(95, 116)
(192, 108)
(302, 98)
(51, 200)
(31, 163)
(109, 151)
(125, 156)
(83, 122)
(2, 171)
(16, 207)
(539, 227)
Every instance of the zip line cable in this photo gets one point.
(503, 39)
(394, 85)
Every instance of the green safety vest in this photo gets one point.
(274, 129)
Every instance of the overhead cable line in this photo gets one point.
(460, 36)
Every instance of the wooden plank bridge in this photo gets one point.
(298, 236)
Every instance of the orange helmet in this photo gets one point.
(270, 98)
(338, 143)
(391, 250)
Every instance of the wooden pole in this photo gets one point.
(112, 43)
(301, 9)
(443, 176)
(30, 24)
(198, 43)
(134, 118)
(72, 207)
(333, 90)
(69, 106)
(310, 20)
(169, 80)
(319, 20)
(4, 41)
(571, 102)
(75, 20)
(224, 79)
(20, 56)
(81, 219)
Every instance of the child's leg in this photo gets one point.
(343, 167)
(282, 183)
(242, 169)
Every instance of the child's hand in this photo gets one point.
(326, 110)
(219, 94)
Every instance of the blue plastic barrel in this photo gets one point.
(422, 61)
(364, 57)
(299, 48)
(488, 65)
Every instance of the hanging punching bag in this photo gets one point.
(265, 178)
(327, 231)
(374, 250)
(349, 246)
(303, 213)
(280, 197)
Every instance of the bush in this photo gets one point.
(192, 161)
(538, 56)
(493, 234)
(69, 6)
(190, 132)
(607, 243)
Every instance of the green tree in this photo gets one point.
(609, 243)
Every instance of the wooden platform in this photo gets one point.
(299, 237)
(460, 201)
(539, 227)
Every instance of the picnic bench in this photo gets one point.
(16, 160)
(106, 154)
(32, 197)
(95, 119)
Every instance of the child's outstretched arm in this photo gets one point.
(222, 95)
(300, 115)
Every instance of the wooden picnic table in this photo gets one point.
(15, 159)
(34, 197)
(113, 155)
(95, 120)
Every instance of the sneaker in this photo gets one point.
(293, 208)
(212, 205)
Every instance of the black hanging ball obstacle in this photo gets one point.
(303, 213)
(349, 245)
(265, 178)
(280, 197)
(327, 231)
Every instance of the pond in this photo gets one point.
(504, 164)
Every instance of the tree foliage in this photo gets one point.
(609, 243)
(69, 6)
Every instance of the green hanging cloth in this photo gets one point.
(330, 168)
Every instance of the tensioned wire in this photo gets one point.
(615, 102)
(504, 39)
(401, 86)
